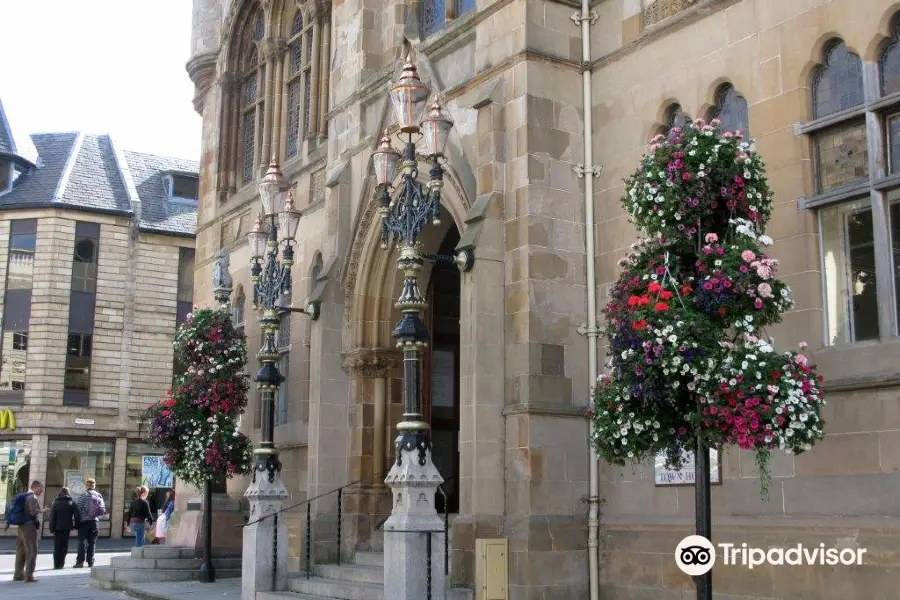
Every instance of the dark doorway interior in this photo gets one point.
(441, 376)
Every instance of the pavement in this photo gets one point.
(74, 584)
(8, 545)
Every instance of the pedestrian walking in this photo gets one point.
(64, 517)
(24, 514)
(139, 515)
(90, 507)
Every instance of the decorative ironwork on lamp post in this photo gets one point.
(271, 258)
(406, 206)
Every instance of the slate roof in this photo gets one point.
(13, 142)
(88, 172)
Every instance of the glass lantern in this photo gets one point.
(288, 220)
(386, 161)
(271, 190)
(257, 238)
(408, 97)
(436, 130)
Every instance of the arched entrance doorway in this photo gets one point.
(440, 391)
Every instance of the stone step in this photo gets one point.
(334, 588)
(355, 573)
(113, 578)
(171, 552)
(371, 559)
(127, 562)
(290, 596)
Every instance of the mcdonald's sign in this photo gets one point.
(7, 420)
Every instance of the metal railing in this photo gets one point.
(308, 502)
(340, 511)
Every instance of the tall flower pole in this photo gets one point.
(271, 258)
(406, 208)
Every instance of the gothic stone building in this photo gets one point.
(96, 265)
(816, 82)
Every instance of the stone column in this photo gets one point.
(365, 505)
(407, 531)
(265, 556)
(120, 463)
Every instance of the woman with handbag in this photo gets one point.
(64, 517)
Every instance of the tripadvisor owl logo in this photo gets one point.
(695, 555)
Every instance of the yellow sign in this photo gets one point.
(7, 420)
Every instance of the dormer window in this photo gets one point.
(6, 176)
(183, 187)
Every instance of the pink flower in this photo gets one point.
(803, 344)
(765, 290)
(748, 255)
(685, 176)
(758, 304)
(711, 238)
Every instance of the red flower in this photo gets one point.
(166, 413)
(633, 301)
(644, 301)
(722, 310)
(654, 288)
(776, 375)
(638, 325)
(665, 295)
(661, 307)
(686, 289)
(686, 176)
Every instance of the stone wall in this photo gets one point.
(836, 493)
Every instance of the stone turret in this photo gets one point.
(206, 32)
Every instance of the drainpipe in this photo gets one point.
(585, 19)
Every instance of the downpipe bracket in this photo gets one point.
(581, 171)
(578, 19)
(583, 329)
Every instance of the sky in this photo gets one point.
(101, 66)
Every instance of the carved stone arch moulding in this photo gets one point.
(455, 204)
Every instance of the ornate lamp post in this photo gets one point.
(271, 258)
(406, 207)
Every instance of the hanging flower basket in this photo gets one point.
(686, 316)
(198, 422)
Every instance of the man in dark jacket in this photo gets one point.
(64, 517)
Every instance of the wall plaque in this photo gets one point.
(686, 474)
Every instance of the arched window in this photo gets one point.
(251, 96)
(890, 61)
(838, 83)
(731, 109)
(435, 14)
(299, 82)
(675, 117)
(237, 308)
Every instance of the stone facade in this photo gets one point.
(510, 73)
(132, 357)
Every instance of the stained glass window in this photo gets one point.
(249, 131)
(307, 92)
(298, 83)
(293, 116)
(838, 83)
(731, 109)
(890, 61)
(259, 26)
(433, 16)
(297, 25)
(893, 127)
(251, 98)
(841, 155)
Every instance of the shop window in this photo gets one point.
(15, 470)
(71, 463)
(144, 466)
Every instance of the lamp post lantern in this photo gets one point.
(271, 244)
(407, 206)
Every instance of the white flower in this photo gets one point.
(765, 240)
